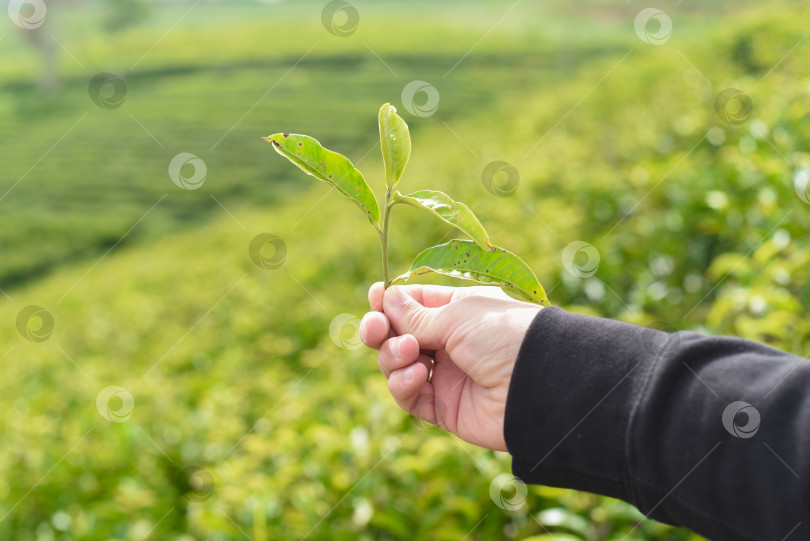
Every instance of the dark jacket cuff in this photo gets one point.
(575, 384)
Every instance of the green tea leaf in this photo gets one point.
(395, 141)
(466, 260)
(336, 169)
(453, 212)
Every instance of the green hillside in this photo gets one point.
(249, 420)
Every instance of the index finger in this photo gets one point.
(375, 329)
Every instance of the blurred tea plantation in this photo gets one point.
(249, 419)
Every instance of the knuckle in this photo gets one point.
(416, 318)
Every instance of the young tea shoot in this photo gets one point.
(477, 259)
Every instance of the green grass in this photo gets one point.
(231, 366)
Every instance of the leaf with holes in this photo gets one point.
(477, 260)
(454, 213)
(466, 260)
(336, 169)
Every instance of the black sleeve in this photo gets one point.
(708, 433)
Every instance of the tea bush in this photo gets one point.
(249, 420)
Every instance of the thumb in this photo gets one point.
(430, 326)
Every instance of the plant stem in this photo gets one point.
(384, 237)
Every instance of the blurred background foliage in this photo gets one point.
(250, 421)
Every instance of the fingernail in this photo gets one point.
(394, 345)
(362, 332)
(408, 374)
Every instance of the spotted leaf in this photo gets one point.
(453, 212)
(466, 260)
(395, 141)
(336, 169)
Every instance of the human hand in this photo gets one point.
(473, 333)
